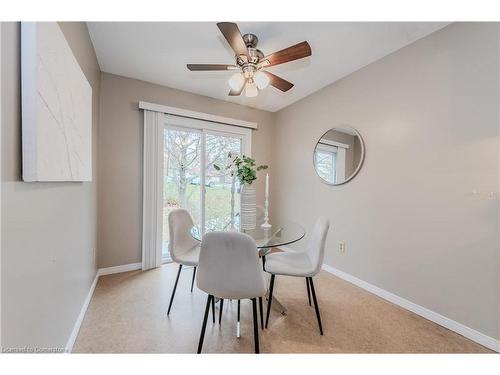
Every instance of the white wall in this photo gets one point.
(421, 219)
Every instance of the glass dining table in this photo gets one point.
(281, 233)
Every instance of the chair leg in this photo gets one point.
(213, 310)
(261, 313)
(255, 326)
(220, 309)
(238, 323)
(175, 287)
(202, 335)
(264, 262)
(270, 300)
(316, 307)
(192, 281)
(308, 291)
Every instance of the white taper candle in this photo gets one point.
(267, 185)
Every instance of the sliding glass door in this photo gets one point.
(181, 166)
(190, 180)
(218, 183)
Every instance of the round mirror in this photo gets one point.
(338, 155)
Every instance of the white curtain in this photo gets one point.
(340, 164)
(152, 190)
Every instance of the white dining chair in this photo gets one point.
(229, 268)
(184, 249)
(300, 264)
(260, 212)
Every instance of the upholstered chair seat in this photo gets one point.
(290, 263)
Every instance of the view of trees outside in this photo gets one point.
(218, 191)
(325, 165)
(182, 178)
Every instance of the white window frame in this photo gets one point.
(332, 143)
(327, 148)
(206, 128)
(213, 128)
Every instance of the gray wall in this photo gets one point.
(411, 221)
(48, 229)
(120, 157)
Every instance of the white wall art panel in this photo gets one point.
(56, 107)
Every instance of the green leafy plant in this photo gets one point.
(244, 168)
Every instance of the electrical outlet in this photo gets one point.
(342, 247)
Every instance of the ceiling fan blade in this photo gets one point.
(298, 51)
(205, 67)
(237, 93)
(278, 82)
(233, 36)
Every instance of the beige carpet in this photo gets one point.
(127, 314)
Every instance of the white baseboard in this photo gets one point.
(79, 320)
(119, 269)
(452, 325)
(100, 272)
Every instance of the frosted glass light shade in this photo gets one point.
(251, 90)
(261, 80)
(236, 81)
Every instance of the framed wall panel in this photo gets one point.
(56, 107)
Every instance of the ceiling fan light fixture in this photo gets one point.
(236, 81)
(261, 80)
(251, 90)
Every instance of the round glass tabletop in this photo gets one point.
(280, 234)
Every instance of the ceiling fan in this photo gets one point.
(251, 62)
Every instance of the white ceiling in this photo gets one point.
(158, 52)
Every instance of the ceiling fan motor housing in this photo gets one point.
(254, 54)
(250, 40)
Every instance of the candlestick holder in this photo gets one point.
(266, 213)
